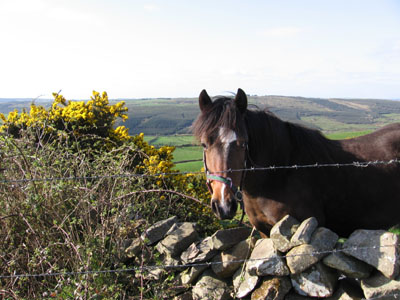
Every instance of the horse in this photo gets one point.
(240, 142)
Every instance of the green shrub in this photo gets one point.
(63, 210)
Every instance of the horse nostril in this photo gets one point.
(214, 206)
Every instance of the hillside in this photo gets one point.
(174, 116)
(169, 116)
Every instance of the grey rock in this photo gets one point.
(349, 265)
(178, 240)
(317, 281)
(272, 288)
(378, 248)
(134, 249)
(227, 262)
(199, 252)
(157, 232)
(243, 282)
(379, 286)
(190, 275)
(324, 240)
(301, 258)
(210, 287)
(282, 232)
(304, 232)
(304, 256)
(266, 260)
(227, 238)
(173, 227)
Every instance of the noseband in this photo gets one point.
(236, 191)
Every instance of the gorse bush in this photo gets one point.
(95, 117)
(75, 191)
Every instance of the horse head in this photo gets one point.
(221, 130)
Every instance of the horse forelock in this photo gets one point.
(221, 114)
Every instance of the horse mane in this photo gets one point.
(285, 142)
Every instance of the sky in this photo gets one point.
(176, 48)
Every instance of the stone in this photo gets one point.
(210, 287)
(157, 232)
(226, 238)
(381, 287)
(243, 282)
(324, 240)
(227, 262)
(301, 258)
(347, 292)
(304, 256)
(282, 232)
(191, 274)
(266, 260)
(134, 249)
(272, 288)
(172, 262)
(316, 281)
(378, 248)
(178, 240)
(304, 232)
(348, 265)
(199, 252)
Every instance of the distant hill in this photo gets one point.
(166, 116)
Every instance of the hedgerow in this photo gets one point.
(74, 191)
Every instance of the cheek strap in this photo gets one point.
(237, 193)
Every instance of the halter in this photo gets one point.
(236, 191)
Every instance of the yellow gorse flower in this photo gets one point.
(94, 115)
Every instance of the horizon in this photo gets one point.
(148, 49)
(183, 97)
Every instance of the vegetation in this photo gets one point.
(75, 191)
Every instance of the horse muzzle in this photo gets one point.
(224, 211)
(225, 198)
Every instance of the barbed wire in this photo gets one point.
(357, 164)
(189, 265)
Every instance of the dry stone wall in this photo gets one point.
(298, 261)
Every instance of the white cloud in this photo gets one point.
(281, 31)
(151, 7)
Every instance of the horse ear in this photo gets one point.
(241, 100)
(204, 100)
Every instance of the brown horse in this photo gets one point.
(237, 139)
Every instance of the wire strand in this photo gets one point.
(357, 164)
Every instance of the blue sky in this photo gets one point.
(146, 48)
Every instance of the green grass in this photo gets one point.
(170, 140)
(186, 149)
(347, 135)
(329, 125)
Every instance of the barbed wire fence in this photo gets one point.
(357, 164)
(143, 268)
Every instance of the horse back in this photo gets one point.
(383, 144)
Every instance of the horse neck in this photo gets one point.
(273, 142)
(269, 142)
